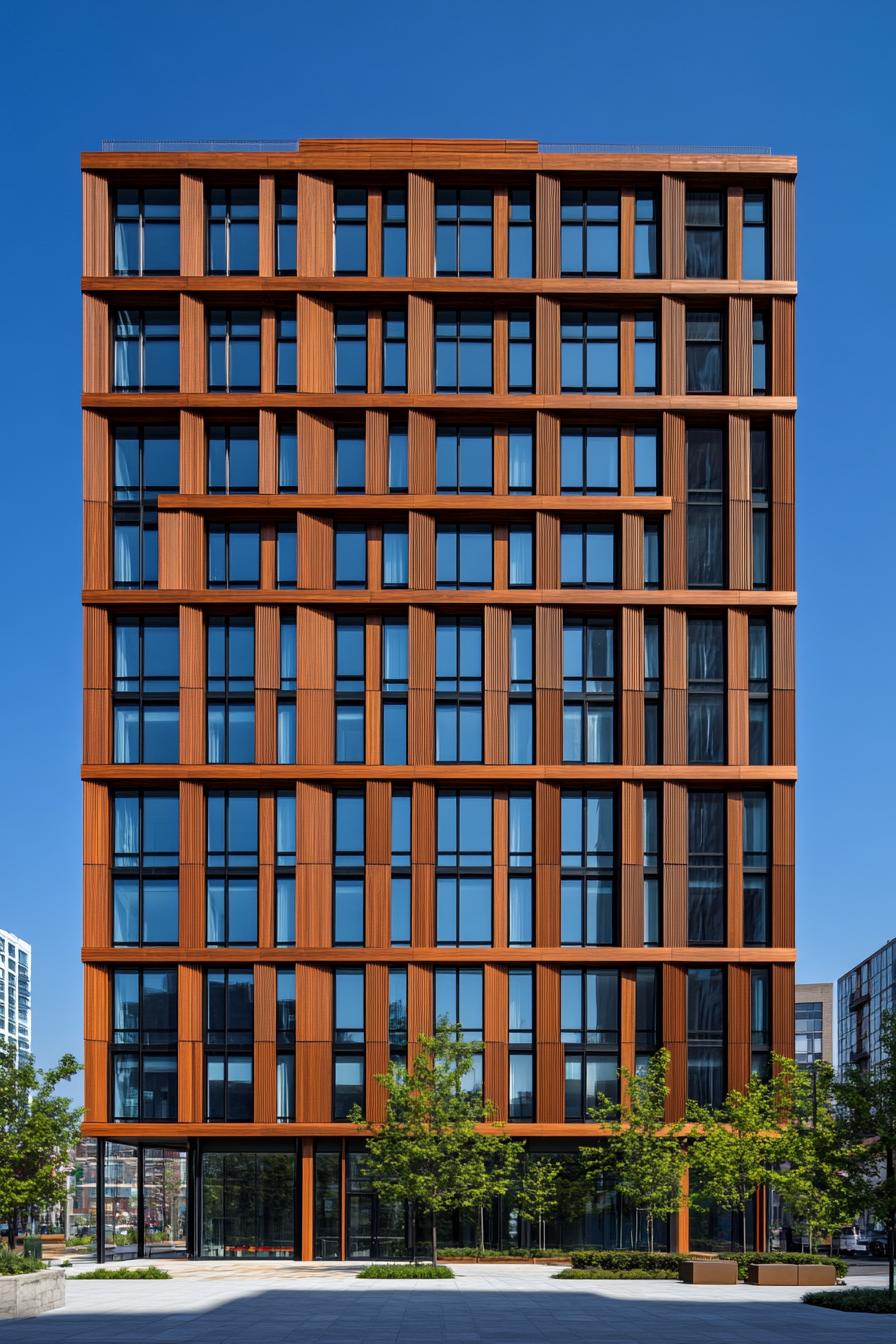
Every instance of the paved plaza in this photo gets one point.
(316, 1304)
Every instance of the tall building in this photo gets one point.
(15, 992)
(864, 994)
(814, 1024)
(439, 628)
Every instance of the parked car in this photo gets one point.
(849, 1241)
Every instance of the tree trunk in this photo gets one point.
(743, 1227)
(435, 1254)
(650, 1232)
(11, 1232)
(482, 1228)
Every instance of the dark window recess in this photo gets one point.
(146, 465)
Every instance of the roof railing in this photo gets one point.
(546, 147)
(199, 146)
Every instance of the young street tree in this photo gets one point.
(643, 1153)
(429, 1149)
(492, 1176)
(540, 1192)
(867, 1098)
(38, 1130)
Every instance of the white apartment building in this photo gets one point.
(15, 991)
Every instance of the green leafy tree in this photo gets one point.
(867, 1099)
(733, 1148)
(540, 1193)
(492, 1174)
(38, 1130)
(429, 1150)
(814, 1151)
(643, 1153)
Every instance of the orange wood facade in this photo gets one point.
(313, 409)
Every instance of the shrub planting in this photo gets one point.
(406, 1272)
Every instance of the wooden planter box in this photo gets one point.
(30, 1294)
(773, 1276)
(708, 1271)
(816, 1276)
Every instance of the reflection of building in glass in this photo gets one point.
(864, 994)
(15, 992)
(813, 1036)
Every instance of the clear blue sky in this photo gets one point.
(804, 78)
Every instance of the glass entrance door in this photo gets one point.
(164, 1201)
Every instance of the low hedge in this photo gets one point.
(512, 1253)
(616, 1274)
(19, 1264)
(406, 1272)
(148, 1272)
(855, 1299)
(665, 1260)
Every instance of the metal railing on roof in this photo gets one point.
(199, 146)
(550, 148)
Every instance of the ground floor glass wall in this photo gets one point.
(248, 1205)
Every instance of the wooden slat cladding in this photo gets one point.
(421, 551)
(267, 211)
(97, 348)
(422, 454)
(314, 1032)
(783, 687)
(631, 904)
(734, 228)
(377, 452)
(739, 1033)
(314, 320)
(783, 350)
(420, 344)
(376, 1013)
(783, 228)
(549, 1094)
(314, 543)
(675, 864)
(500, 211)
(189, 1049)
(423, 827)
(740, 513)
(672, 355)
(193, 376)
(97, 1019)
(547, 346)
(782, 996)
(192, 224)
(783, 470)
(547, 226)
(675, 527)
(740, 346)
(315, 236)
(631, 640)
(783, 845)
(675, 684)
(192, 686)
(547, 461)
(421, 226)
(193, 472)
(96, 225)
(316, 454)
(738, 689)
(672, 226)
(632, 550)
(675, 1027)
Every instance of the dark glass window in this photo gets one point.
(706, 1035)
(144, 1045)
(706, 691)
(286, 700)
(704, 233)
(459, 1003)
(645, 233)
(520, 351)
(706, 521)
(703, 350)
(232, 231)
(287, 460)
(232, 459)
(350, 555)
(348, 869)
(395, 350)
(348, 1041)
(234, 350)
(287, 558)
(232, 869)
(350, 231)
(463, 231)
(589, 690)
(589, 1031)
(145, 856)
(395, 231)
(760, 1021)
(350, 452)
(229, 1038)
(398, 1014)
(458, 702)
(589, 232)
(521, 720)
(146, 466)
(651, 555)
(589, 461)
(234, 555)
(464, 869)
(146, 230)
(286, 351)
(400, 877)
(463, 459)
(287, 220)
(349, 681)
(146, 350)
(398, 455)
(230, 689)
(520, 468)
(520, 232)
(650, 842)
(395, 556)
(521, 863)
(145, 688)
(588, 555)
(755, 237)
(589, 351)
(395, 691)
(463, 556)
(706, 868)
(285, 865)
(652, 686)
(757, 894)
(351, 350)
(760, 727)
(521, 1040)
(588, 869)
(286, 1045)
(647, 1016)
(645, 352)
(760, 354)
(759, 465)
(520, 556)
(647, 473)
(463, 350)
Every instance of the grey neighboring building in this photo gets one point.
(863, 995)
(814, 1024)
